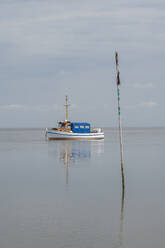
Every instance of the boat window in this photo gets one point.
(81, 126)
(86, 126)
(76, 126)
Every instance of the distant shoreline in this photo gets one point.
(105, 128)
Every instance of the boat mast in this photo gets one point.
(66, 105)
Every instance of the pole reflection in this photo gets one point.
(122, 206)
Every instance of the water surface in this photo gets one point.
(69, 194)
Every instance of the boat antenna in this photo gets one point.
(119, 118)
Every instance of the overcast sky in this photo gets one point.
(56, 47)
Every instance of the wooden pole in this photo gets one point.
(121, 149)
(119, 118)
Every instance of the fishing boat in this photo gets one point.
(67, 130)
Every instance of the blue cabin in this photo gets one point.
(80, 127)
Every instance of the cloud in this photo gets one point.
(53, 28)
(74, 106)
(24, 107)
(149, 104)
(52, 47)
(141, 85)
(12, 107)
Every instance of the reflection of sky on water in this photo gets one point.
(71, 152)
(88, 210)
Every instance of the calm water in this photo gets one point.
(68, 194)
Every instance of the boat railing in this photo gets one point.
(96, 130)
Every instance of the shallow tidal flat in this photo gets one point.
(69, 193)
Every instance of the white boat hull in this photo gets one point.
(58, 135)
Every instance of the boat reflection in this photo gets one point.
(70, 152)
(73, 151)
